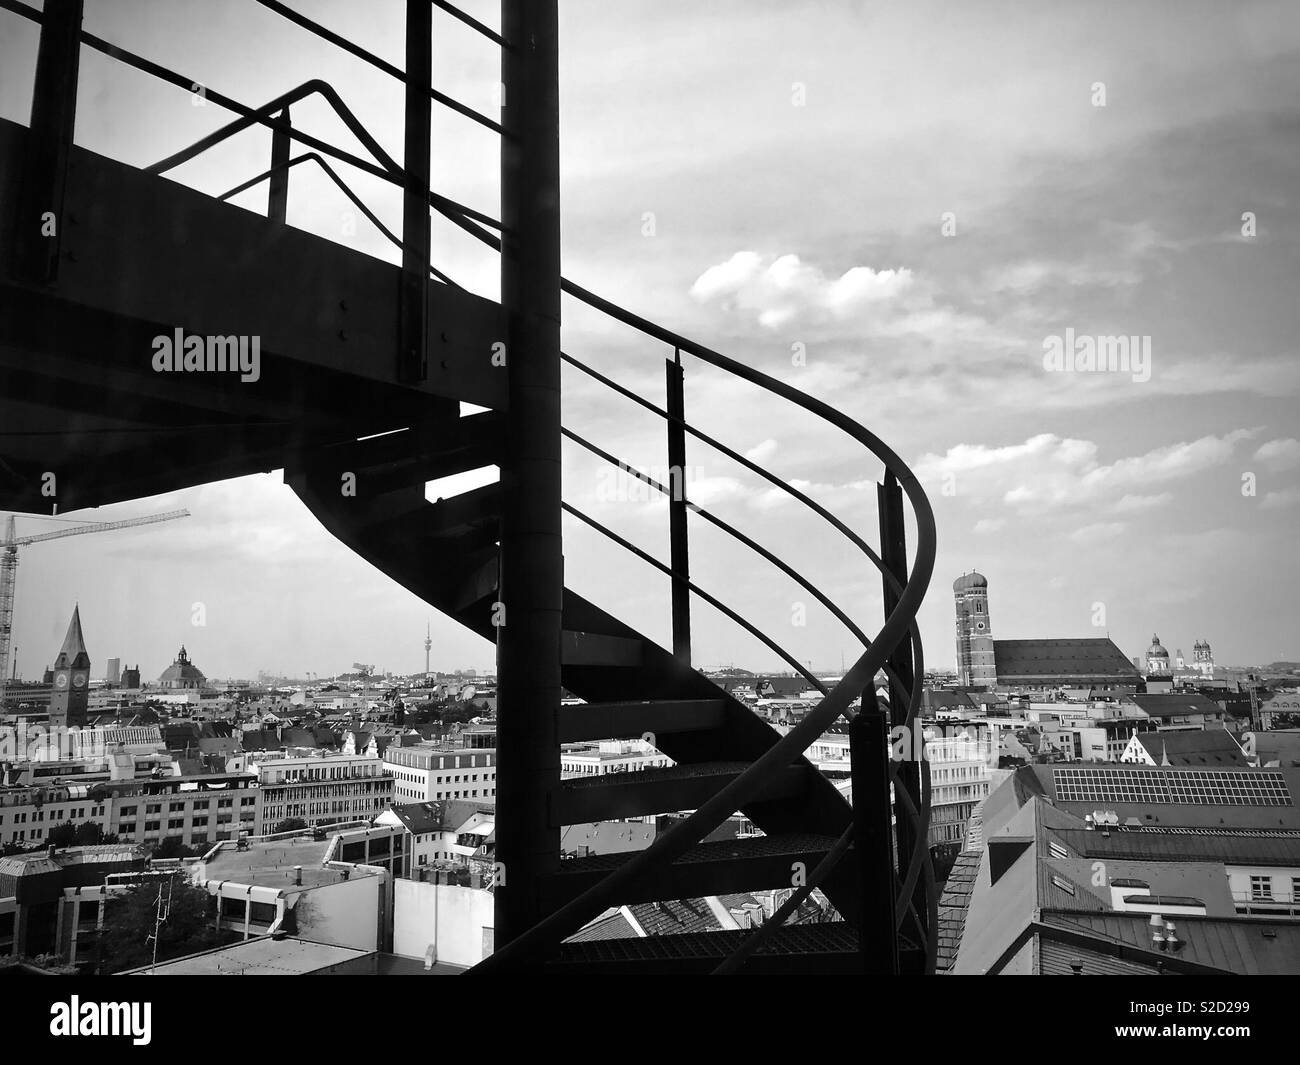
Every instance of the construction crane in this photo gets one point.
(9, 569)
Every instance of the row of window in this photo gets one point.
(1261, 889)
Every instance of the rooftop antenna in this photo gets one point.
(162, 911)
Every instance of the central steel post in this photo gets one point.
(532, 562)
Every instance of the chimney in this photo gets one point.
(297, 876)
(51, 851)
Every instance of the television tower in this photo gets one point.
(428, 644)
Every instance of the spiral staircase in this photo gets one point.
(334, 407)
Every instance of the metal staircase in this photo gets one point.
(490, 558)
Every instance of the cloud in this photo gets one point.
(1132, 503)
(1284, 497)
(1049, 471)
(760, 453)
(1279, 454)
(988, 525)
(1101, 530)
(783, 288)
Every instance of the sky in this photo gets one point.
(894, 207)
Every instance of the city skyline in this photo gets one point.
(932, 213)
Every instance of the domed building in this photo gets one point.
(182, 673)
(1157, 659)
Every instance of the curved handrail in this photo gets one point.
(739, 791)
(748, 626)
(749, 542)
(731, 531)
(894, 584)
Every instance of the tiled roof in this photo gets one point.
(1179, 847)
(1243, 947)
(610, 925)
(1176, 704)
(954, 904)
(1023, 660)
(1202, 747)
(674, 917)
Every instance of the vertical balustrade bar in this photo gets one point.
(873, 844)
(532, 562)
(413, 306)
(893, 552)
(277, 193)
(41, 219)
(679, 542)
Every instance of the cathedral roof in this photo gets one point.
(968, 581)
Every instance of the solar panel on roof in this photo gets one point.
(1188, 787)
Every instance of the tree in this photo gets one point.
(290, 824)
(91, 834)
(173, 847)
(129, 921)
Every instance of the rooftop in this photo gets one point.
(272, 864)
(1027, 660)
(1207, 747)
(263, 956)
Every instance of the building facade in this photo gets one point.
(428, 772)
(321, 788)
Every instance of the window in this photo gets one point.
(1261, 888)
(127, 811)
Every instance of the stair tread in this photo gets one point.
(742, 847)
(657, 774)
(627, 718)
(827, 937)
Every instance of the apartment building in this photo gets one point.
(609, 756)
(27, 813)
(321, 788)
(961, 766)
(433, 772)
(197, 810)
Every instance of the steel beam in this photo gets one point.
(873, 844)
(277, 193)
(41, 219)
(532, 564)
(893, 552)
(679, 540)
(414, 305)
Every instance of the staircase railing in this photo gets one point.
(897, 640)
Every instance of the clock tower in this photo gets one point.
(70, 693)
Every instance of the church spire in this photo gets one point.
(73, 655)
